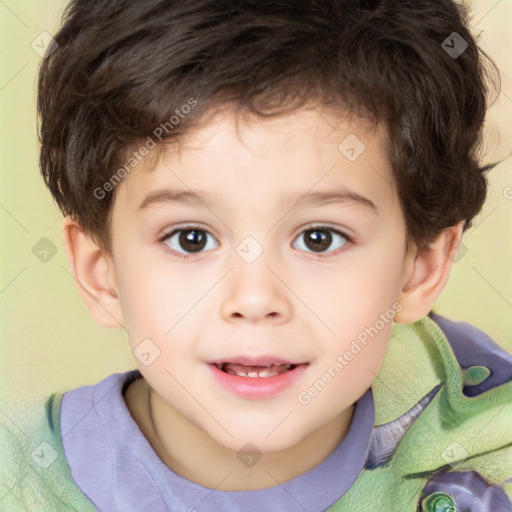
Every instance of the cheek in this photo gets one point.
(167, 309)
(356, 363)
(343, 379)
(151, 300)
(354, 296)
(155, 294)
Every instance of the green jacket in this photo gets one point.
(454, 442)
(442, 437)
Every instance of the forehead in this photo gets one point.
(305, 151)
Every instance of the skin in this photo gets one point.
(291, 302)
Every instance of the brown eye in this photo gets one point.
(317, 240)
(192, 241)
(188, 241)
(320, 239)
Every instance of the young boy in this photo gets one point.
(268, 197)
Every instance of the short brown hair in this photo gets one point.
(122, 68)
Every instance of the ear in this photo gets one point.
(94, 274)
(426, 274)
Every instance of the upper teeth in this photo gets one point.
(268, 370)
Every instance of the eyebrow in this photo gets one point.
(203, 198)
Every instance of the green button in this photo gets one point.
(438, 502)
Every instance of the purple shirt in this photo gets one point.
(115, 466)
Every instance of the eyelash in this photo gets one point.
(317, 227)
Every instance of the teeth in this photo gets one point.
(262, 371)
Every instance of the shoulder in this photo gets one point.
(455, 436)
(474, 348)
(34, 474)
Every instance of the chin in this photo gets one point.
(261, 439)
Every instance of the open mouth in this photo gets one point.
(261, 371)
(257, 378)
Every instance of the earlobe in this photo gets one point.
(94, 275)
(426, 274)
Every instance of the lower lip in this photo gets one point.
(257, 387)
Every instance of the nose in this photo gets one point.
(256, 292)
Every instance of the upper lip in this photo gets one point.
(256, 361)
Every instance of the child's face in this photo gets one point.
(259, 287)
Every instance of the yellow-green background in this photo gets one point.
(49, 342)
